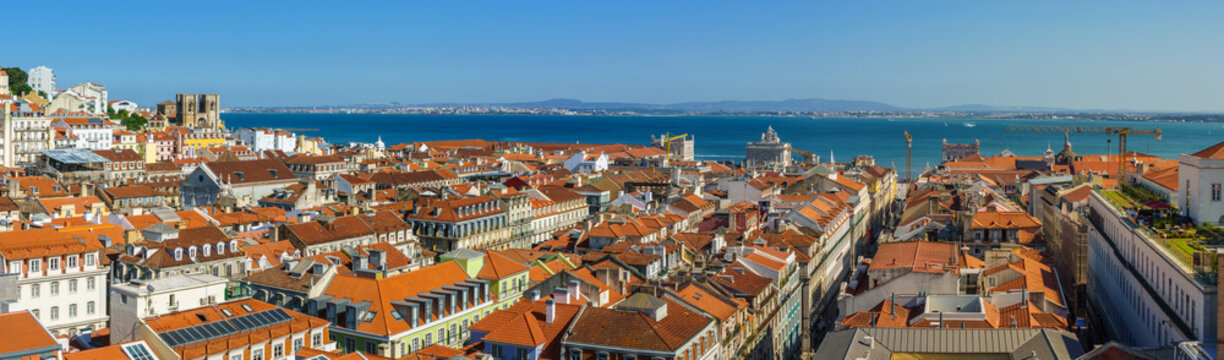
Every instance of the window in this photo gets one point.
(34, 292)
(497, 350)
(416, 345)
(90, 308)
(298, 344)
(35, 311)
(371, 347)
(89, 259)
(316, 340)
(72, 310)
(54, 288)
(604, 355)
(14, 267)
(55, 313)
(35, 265)
(350, 344)
(1215, 192)
(520, 353)
(278, 351)
(236, 357)
(442, 335)
(428, 339)
(72, 261)
(575, 354)
(53, 264)
(90, 284)
(257, 354)
(72, 286)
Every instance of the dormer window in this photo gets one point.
(178, 254)
(272, 171)
(220, 249)
(239, 175)
(207, 250)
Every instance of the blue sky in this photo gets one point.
(1079, 54)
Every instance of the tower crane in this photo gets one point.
(667, 140)
(909, 144)
(1122, 132)
(808, 157)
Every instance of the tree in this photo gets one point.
(17, 80)
(134, 122)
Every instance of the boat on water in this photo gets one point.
(969, 124)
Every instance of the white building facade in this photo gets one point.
(59, 279)
(265, 139)
(1143, 295)
(1202, 177)
(130, 302)
(42, 79)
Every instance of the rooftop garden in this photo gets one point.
(1179, 234)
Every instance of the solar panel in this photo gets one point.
(217, 329)
(138, 351)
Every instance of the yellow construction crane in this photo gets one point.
(667, 140)
(1122, 132)
(808, 157)
(909, 144)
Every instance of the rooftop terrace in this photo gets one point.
(1162, 223)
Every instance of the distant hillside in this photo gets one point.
(812, 105)
(733, 106)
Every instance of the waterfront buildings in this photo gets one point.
(955, 151)
(681, 149)
(770, 152)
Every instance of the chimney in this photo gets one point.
(561, 295)
(550, 310)
(1024, 297)
(535, 295)
(573, 290)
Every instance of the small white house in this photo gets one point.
(584, 162)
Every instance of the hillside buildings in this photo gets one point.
(42, 80)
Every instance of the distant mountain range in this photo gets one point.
(727, 106)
